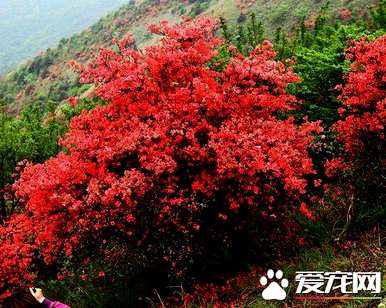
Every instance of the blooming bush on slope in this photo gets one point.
(184, 163)
(362, 133)
(364, 96)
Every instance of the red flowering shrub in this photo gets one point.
(362, 131)
(364, 97)
(181, 164)
(232, 291)
(345, 14)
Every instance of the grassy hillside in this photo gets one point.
(48, 78)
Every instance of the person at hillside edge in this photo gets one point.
(32, 299)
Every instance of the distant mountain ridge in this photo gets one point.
(30, 26)
(48, 78)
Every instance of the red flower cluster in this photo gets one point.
(306, 212)
(345, 14)
(179, 147)
(233, 292)
(364, 96)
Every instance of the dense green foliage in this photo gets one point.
(318, 52)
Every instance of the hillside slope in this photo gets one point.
(28, 27)
(48, 76)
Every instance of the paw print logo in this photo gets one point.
(274, 290)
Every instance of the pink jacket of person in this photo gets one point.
(50, 304)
